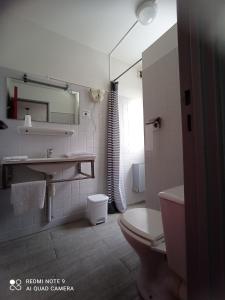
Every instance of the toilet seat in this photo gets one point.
(145, 224)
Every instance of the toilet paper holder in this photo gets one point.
(156, 122)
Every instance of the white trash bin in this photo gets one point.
(97, 208)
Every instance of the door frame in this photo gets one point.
(202, 123)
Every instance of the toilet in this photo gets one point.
(143, 229)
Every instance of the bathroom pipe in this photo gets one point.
(49, 209)
(49, 196)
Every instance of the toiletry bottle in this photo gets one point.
(27, 121)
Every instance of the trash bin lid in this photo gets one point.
(98, 198)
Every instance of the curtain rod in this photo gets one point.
(127, 69)
(123, 37)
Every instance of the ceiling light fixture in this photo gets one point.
(146, 12)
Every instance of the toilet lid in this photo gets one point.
(144, 222)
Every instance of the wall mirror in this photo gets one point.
(44, 101)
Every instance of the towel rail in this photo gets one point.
(7, 172)
(7, 176)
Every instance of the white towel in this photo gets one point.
(19, 157)
(74, 154)
(27, 196)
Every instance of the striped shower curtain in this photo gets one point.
(116, 200)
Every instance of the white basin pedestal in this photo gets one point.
(53, 166)
(50, 167)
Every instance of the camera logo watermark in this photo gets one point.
(40, 285)
(15, 285)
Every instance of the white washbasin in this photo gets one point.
(50, 167)
(53, 165)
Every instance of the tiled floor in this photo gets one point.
(97, 261)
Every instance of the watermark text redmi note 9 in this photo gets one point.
(40, 285)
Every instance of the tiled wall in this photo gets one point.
(71, 197)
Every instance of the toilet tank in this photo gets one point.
(173, 217)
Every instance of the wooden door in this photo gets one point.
(201, 36)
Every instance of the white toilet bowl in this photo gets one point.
(143, 229)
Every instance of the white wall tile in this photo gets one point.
(71, 197)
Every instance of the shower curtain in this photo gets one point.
(117, 200)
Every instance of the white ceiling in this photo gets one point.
(98, 24)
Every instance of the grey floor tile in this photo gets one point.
(10, 270)
(96, 260)
(106, 279)
(75, 245)
(71, 230)
(106, 229)
(112, 240)
(113, 217)
(129, 292)
(81, 264)
(131, 261)
(21, 248)
(119, 249)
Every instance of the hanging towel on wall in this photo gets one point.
(27, 196)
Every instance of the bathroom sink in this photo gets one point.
(53, 165)
(49, 166)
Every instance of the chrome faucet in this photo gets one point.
(49, 152)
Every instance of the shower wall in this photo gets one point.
(161, 96)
